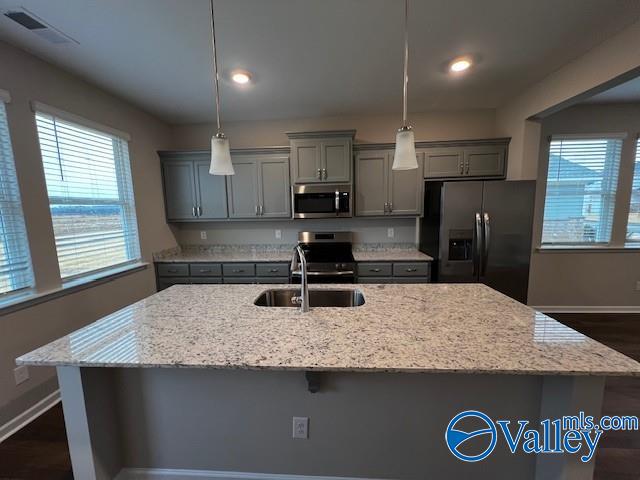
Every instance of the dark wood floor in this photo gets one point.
(39, 451)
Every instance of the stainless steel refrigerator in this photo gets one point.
(480, 231)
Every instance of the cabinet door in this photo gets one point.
(306, 163)
(484, 161)
(275, 194)
(443, 163)
(179, 189)
(336, 160)
(371, 182)
(405, 189)
(242, 189)
(212, 193)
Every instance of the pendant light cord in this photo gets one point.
(215, 68)
(405, 78)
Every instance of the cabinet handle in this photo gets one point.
(409, 270)
(390, 207)
(199, 211)
(257, 211)
(467, 167)
(193, 211)
(237, 270)
(172, 270)
(461, 167)
(319, 175)
(205, 270)
(386, 207)
(324, 173)
(261, 210)
(274, 270)
(374, 270)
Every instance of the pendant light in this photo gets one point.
(220, 152)
(404, 157)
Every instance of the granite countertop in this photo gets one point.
(449, 328)
(379, 252)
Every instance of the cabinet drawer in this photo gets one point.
(173, 270)
(272, 280)
(206, 280)
(411, 269)
(205, 269)
(239, 280)
(272, 269)
(238, 269)
(376, 280)
(374, 270)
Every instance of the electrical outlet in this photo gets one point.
(278, 234)
(638, 285)
(21, 374)
(391, 233)
(300, 427)
(203, 235)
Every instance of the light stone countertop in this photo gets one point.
(378, 252)
(432, 328)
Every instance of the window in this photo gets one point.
(90, 195)
(15, 263)
(581, 190)
(633, 226)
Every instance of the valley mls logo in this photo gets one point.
(471, 435)
(456, 438)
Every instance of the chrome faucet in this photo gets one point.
(303, 299)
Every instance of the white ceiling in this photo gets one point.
(627, 92)
(316, 57)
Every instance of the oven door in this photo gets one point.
(321, 201)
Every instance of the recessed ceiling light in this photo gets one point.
(241, 77)
(460, 64)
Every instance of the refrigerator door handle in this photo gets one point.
(477, 250)
(487, 242)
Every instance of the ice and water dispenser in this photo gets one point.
(460, 245)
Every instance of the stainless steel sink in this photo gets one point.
(317, 298)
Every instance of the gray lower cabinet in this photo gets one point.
(380, 190)
(169, 274)
(478, 161)
(190, 192)
(394, 272)
(260, 187)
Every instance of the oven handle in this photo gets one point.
(324, 274)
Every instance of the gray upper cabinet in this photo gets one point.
(211, 193)
(371, 183)
(260, 187)
(273, 181)
(383, 191)
(477, 161)
(405, 189)
(179, 190)
(319, 157)
(242, 189)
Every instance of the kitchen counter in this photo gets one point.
(429, 328)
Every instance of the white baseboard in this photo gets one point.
(29, 415)
(587, 309)
(177, 474)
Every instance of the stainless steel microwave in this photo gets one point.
(321, 201)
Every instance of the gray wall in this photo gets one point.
(27, 78)
(366, 230)
(594, 278)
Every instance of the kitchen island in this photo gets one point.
(199, 378)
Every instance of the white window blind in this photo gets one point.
(581, 190)
(633, 225)
(88, 179)
(15, 262)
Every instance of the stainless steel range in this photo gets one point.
(329, 257)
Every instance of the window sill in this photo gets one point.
(29, 298)
(634, 248)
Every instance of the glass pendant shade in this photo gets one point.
(220, 156)
(404, 157)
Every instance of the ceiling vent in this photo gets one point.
(38, 26)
